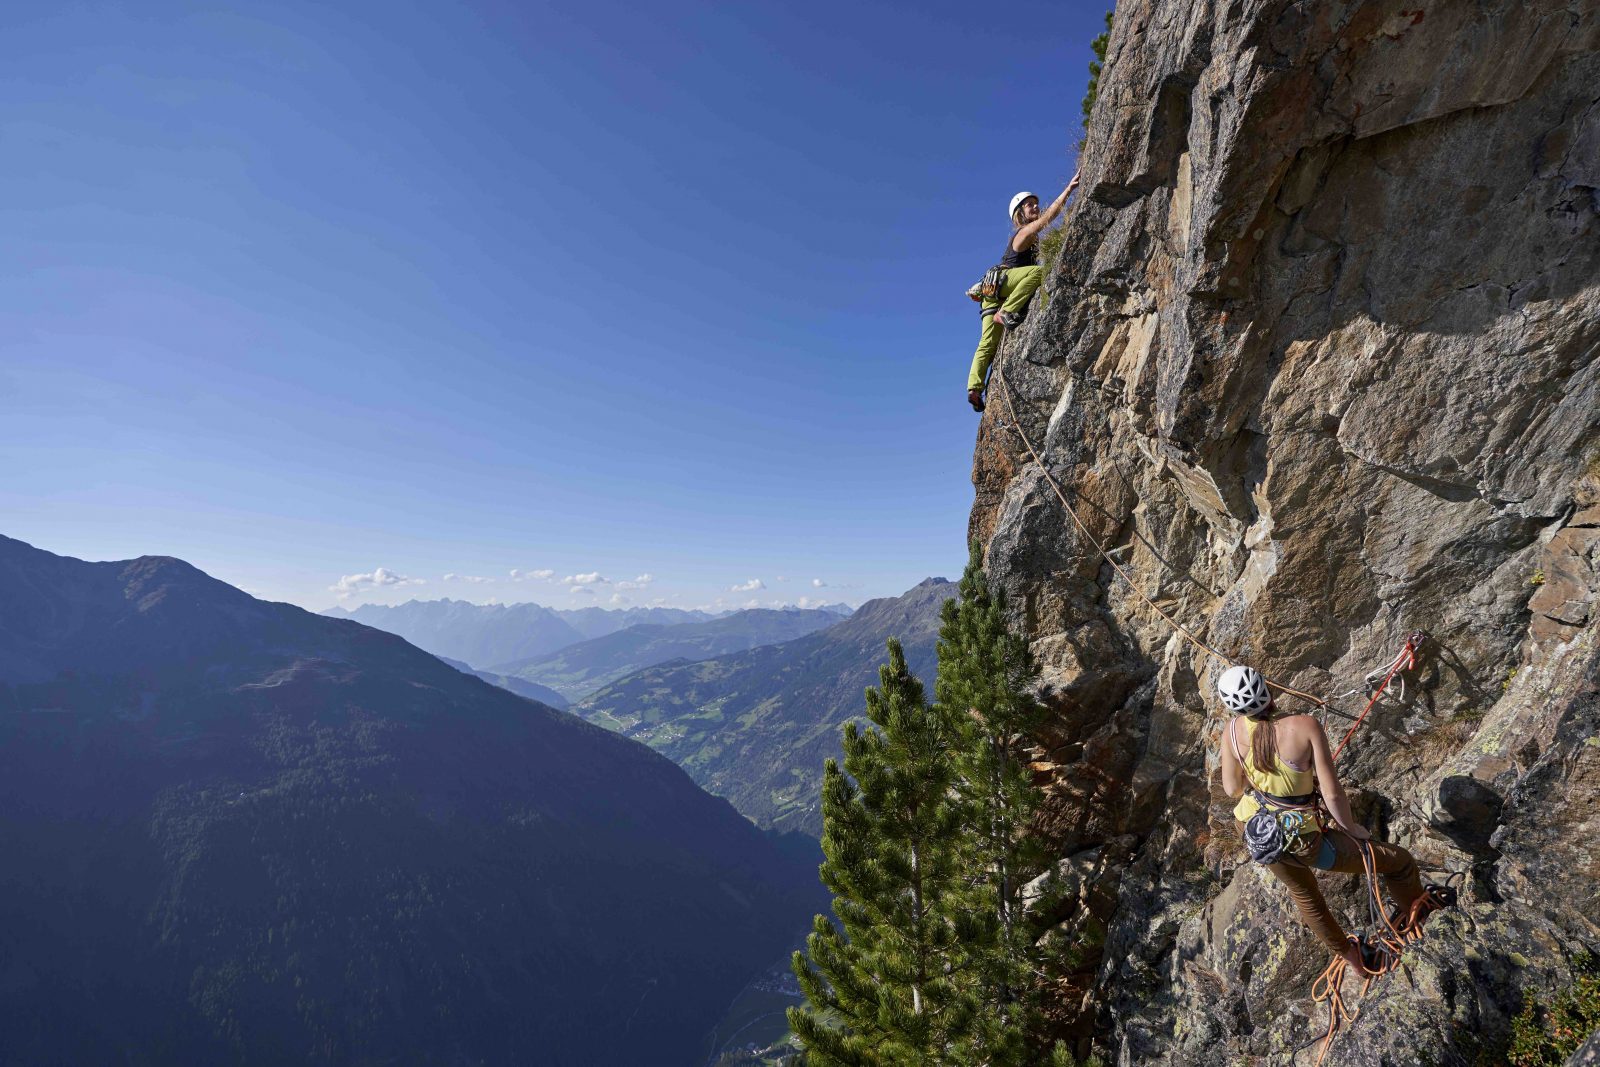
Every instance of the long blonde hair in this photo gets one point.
(1264, 739)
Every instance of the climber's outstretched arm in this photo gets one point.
(1028, 234)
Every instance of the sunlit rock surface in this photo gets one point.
(1320, 362)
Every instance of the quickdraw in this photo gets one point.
(1405, 660)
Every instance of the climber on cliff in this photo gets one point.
(1018, 275)
(1277, 765)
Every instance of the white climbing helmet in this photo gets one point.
(1016, 202)
(1243, 690)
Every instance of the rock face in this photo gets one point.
(1319, 364)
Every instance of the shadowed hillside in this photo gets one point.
(239, 832)
(531, 690)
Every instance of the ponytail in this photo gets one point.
(1264, 741)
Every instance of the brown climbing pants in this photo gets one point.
(1394, 863)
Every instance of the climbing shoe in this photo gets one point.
(1374, 959)
(1009, 319)
(1434, 898)
(975, 398)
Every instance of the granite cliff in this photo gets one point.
(1320, 363)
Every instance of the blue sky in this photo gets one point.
(300, 291)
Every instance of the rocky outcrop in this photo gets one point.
(1320, 364)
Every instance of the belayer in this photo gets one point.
(1006, 289)
(1278, 766)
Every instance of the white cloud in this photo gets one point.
(592, 578)
(532, 576)
(619, 600)
(638, 583)
(475, 579)
(817, 583)
(579, 590)
(352, 584)
(781, 578)
(748, 587)
(752, 603)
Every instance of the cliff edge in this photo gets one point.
(1320, 363)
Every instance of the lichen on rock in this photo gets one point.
(1320, 365)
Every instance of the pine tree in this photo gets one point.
(987, 677)
(893, 988)
(1098, 47)
(1096, 65)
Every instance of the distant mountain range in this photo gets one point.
(531, 690)
(485, 634)
(756, 726)
(579, 670)
(237, 832)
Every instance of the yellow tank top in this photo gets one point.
(1282, 781)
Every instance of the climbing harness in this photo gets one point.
(1283, 825)
(987, 291)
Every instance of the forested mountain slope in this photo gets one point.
(237, 832)
(756, 726)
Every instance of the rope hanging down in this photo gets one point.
(1391, 941)
(1405, 660)
(1016, 427)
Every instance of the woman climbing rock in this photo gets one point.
(1277, 767)
(1019, 276)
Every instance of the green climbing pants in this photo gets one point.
(1015, 292)
(1395, 866)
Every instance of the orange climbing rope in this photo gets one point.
(1404, 661)
(1387, 948)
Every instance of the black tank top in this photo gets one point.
(1013, 258)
